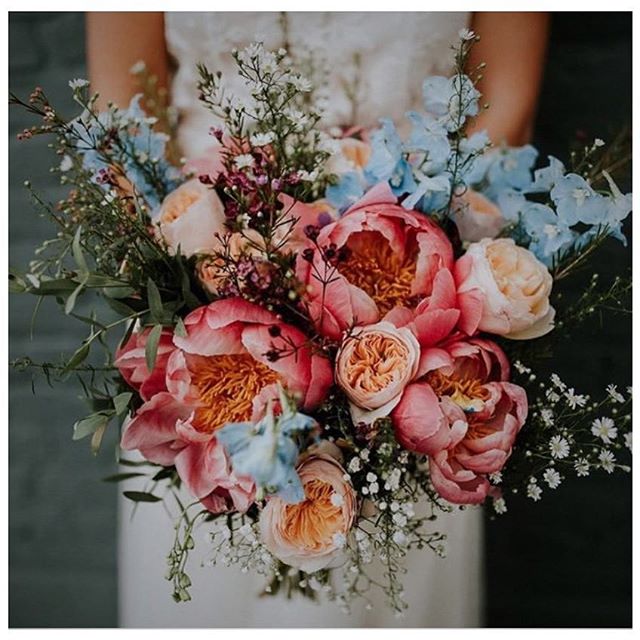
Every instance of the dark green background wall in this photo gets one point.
(562, 562)
(62, 519)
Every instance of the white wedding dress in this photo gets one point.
(385, 57)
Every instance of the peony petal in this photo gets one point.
(418, 421)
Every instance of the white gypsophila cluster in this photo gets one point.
(240, 545)
(533, 490)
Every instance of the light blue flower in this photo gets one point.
(474, 160)
(548, 233)
(346, 192)
(267, 451)
(429, 141)
(576, 201)
(430, 195)
(452, 100)
(511, 168)
(512, 205)
(545, 179)
(386, 153)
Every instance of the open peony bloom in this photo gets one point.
(190, 217)
(386, 257)
(374, 365)
(311, 534)
(132, 363)
(224, 370)
(463, 413)
(477, 217)
(514, 286)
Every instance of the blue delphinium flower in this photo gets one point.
(545, 179)
(548, 233)
(473, 161)
(267, 452)
(431, 194)
(510, 168)
(451, 100)
(346, 192)
(429, 142)
(576, 201)
(140, 152)
(387, 162)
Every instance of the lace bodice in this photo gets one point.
(375, 61)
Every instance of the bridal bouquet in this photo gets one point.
(326, 338)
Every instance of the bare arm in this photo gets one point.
(115, 42)
(513, 45)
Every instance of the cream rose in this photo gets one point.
(190, 217)
(310, 535)
(515, 288)
(373, 367)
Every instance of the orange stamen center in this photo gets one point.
(384, 275)
(468, 393)
(227, 386)
(314, 521)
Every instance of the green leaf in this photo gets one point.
(55, 286)
(155, 301)
(89, 425)
(120, 307)
(121, 402)
(121, 477)
(164, 473)
(76, 249)
(71, 300)
(77, 358)
(180, 330)
(96, 439)
(141, 496)
(151, 349)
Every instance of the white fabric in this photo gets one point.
(396, 51)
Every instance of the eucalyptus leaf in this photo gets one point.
(78, 254)
(141, 496)
(90, 424)
(155, 301)
(121, 477)
(96, 438)
(77, 358)
(121, 402)
(151, 348)
(180, 330)
(71, 300)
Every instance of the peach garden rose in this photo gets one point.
(190, 217)
(514, 286)
(311, 534)
(374, 365)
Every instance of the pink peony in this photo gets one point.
(311, 534)
(132, 364)
(224, 370)
(386, 257)
(464, 414)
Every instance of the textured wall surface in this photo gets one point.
(62, 530)
(562, 562)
